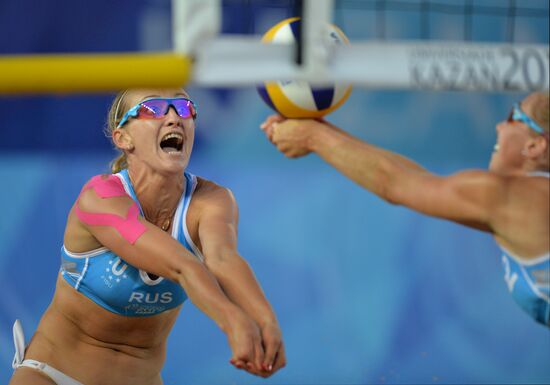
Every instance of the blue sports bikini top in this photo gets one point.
(119, 287)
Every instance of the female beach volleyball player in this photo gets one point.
(136, 244)
(511, 200)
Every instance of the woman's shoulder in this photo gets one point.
(208, 191)
(99, 187)
(103, 180)
(206, 186)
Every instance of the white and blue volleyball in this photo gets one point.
(298, 99)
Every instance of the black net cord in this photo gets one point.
(299, 12)
(512, 10)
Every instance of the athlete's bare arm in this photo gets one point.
(479, 199)
(218, 237)
(467, 197)
(505, 205)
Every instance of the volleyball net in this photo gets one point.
(444, 50)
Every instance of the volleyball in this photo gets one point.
(298, 99)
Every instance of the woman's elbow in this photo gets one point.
(181, 270)
(215, 261)
(221, 263)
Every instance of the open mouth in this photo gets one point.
(172, 143)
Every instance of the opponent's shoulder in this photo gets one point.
(531, 189)
(522, 222)
(512, 180)
(482, 176)
(484, 183)
(518, 197)
(521, 184)
(509, 191)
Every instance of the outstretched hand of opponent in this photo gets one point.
(293, 137)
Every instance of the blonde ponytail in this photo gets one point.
(116, 111)
(119, 163)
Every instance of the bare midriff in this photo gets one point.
(98, 347)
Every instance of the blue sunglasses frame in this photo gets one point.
(134, 111)
(517, 115)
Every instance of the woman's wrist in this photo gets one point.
(227, 312)
(267, 321)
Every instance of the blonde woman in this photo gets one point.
(137, 243)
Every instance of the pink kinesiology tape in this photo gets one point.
(130, 228)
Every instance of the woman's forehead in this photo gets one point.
(135, 96)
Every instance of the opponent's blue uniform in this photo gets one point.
(119, 287)
(529, 280)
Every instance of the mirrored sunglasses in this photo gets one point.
(517, 115)
(158, 107)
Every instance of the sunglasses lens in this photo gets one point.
(157, 108)
(185, 108)
(152, 109)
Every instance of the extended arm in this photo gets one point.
(218, 237)
(470, 198)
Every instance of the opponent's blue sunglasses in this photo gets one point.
(158, 107)
(517, 115)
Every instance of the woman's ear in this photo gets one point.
(122, 140)
(535, 147)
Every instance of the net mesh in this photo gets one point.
(509, 21)
(476, 45)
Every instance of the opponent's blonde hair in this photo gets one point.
(541, 113)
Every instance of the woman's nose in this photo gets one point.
(172, 115)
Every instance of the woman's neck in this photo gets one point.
(158, 194)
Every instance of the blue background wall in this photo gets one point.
(365, 292)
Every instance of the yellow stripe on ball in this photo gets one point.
(270, 35)
(284, 106)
